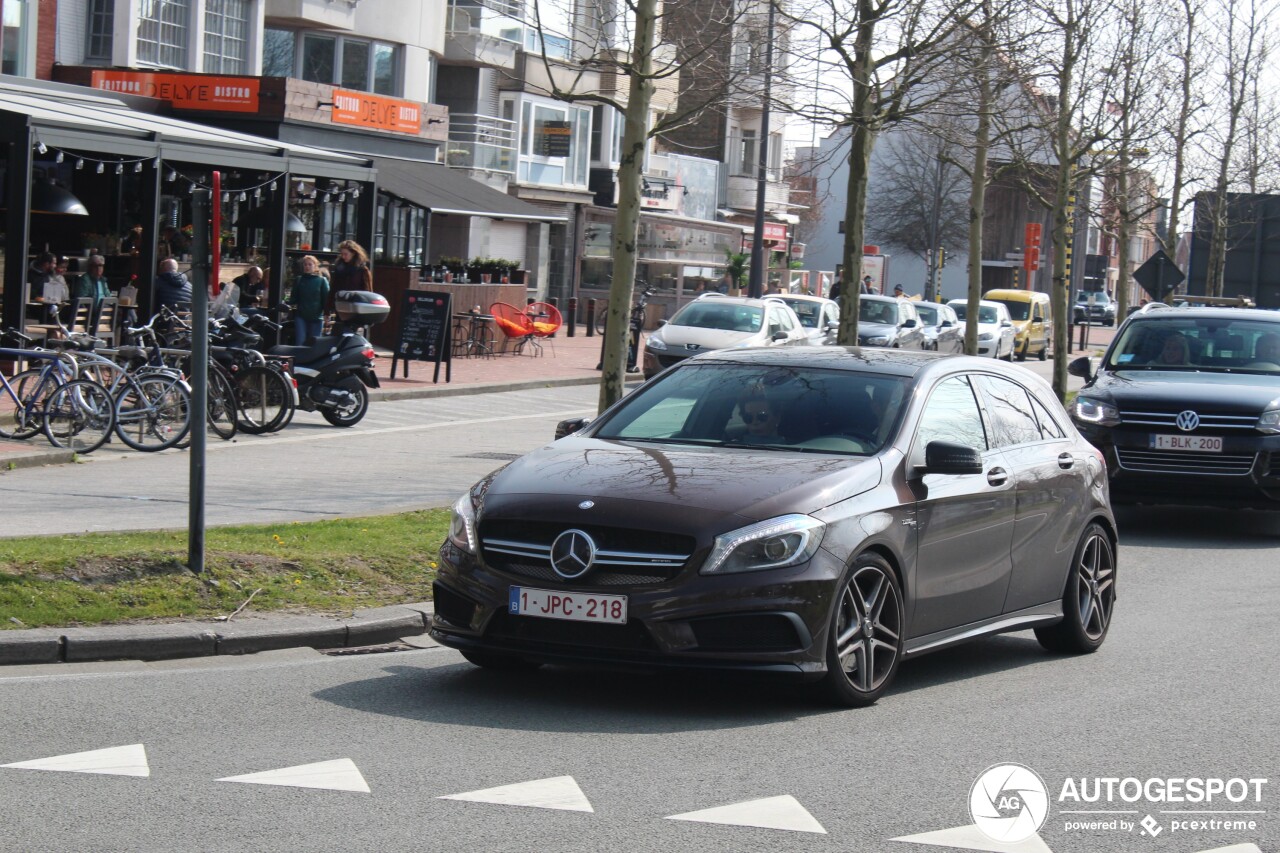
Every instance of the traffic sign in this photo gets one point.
(1159, 275)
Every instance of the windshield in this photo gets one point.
(808, 312)
(1017, 310)
(761, 406)
(1205, 343)
(928, 316)
(986, 313)
(870, 311)
(718, 314)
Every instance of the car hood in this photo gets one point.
(1176, 390)
(703, 339)
(696, 482)
(876, 330)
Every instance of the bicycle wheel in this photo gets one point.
(265, 400)
(153, 412)
(222, 412)
(79, 416)
(33, 387)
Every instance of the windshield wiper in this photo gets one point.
(697, 442)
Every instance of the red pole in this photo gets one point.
(215, 234)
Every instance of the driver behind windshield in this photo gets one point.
(761, 416)
(1267, 348)
(1174, 352)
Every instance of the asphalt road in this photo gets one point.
(1187, 685)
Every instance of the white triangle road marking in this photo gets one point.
(783, 812)
(558, 792)
(1235, 848)
(114, 761)
(972, 838)
(340, 774)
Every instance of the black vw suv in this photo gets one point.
(1186, 408)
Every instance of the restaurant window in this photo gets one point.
(384, 69)
(317, 58)
(163, 32)
(100, 31)
(226, 45)
(278, 52)
(355, 65)
(337, 223)
(557, 170)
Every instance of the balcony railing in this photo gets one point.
(492, 18)
(481, 142)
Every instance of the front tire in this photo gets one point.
(1044, 351)
(1089, 599)
(865, 638)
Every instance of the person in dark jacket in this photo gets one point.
(309, 296)
(351, 272)
(172, 286)
(253, 288)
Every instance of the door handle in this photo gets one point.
(1066, 461)
(997, 476)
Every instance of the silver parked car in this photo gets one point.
(819, 316)
(886, 321)
(942, 329)
(714, 322)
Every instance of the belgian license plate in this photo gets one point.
(572, 606)
(1192, 443)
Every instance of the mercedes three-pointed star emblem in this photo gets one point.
(572, 554)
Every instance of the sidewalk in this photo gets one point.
(564, 361)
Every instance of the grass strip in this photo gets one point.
(331, 566)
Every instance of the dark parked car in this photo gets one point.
(1098, 307)
(821, 513)
(886, 321)
(1186, 407)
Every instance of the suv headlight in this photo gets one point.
(784, 541)
(1270, 421)
(656, 344)
(987, 336)
(878, 342)
(1095, 412)
(462, 525)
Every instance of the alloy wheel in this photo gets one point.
(868, 628)
(1095, 586)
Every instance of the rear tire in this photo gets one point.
(153, 413)
(501, 662)
(1089, 599)
(349, 415)
(264, 400)
(27, 422)
(866, 633)
(79, 416)
(1044, 352)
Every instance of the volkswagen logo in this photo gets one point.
(1187, 421)
(572, 554)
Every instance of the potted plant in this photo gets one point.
(736, 267)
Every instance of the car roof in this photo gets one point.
(931, 304)
(803, 297)
(872, 359)
(981, 302)
(734, 300)
(1006, 293)
(875, 297)
(1173, 314)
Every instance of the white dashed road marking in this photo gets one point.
(114, 761)
(972, 838)
(558, 792)
(341, 774)
(783, 812)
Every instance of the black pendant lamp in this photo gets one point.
(50, 197)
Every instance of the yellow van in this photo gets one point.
(1032, 320)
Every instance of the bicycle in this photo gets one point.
(153, 409)
(29, 389)
(73, 413)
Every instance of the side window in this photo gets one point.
(1049, 425)
(952, 415)
(1012, 421)
(787, 323)
(775, 320)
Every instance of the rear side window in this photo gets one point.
(1012, 419)
(952, 415)
(1049, 425)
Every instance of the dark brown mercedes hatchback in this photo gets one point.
(823, 513)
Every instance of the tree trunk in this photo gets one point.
(626, 228)
(861, 142)
(1061, 215)
(1125, 231)
(978, 184)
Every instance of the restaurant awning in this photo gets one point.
(72, 117)
(441, 189)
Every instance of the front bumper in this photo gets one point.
(771, 621)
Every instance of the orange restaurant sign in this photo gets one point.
(185, 91)
(374, 111)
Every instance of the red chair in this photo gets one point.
(514, 323)
(546, 322)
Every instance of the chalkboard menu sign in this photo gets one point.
(424, 331)
(556, 138)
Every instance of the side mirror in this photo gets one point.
(570, 426)
(662, 322)
(778, 336)
(945, 457)
(833, 326)
(909, 323)
(1082, 367)
(946, 324)
(1005, 324)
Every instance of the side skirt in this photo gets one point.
(1042, 614)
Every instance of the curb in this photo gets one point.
(443, 390)
(268, 632)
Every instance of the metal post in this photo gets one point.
(756, 280)
(571, 317)
(200, 246)
(591, 317)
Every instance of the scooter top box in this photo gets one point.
(362, 306)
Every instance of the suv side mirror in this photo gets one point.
(946, 324)
(1006, 324)
(570, 426)
(909, 323)
(1082, 367)
(779, 335)
(945, 457)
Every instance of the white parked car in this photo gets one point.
(995, 327)
(713, 322)
(819, 316)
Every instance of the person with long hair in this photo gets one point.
(351, 272)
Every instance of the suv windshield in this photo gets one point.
(1205, 343)
(928, 316)
(1017, 310)
(761, 406)
(986, 314)
(807, 311)
(720, 314)
(870, 311)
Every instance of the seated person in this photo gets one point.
(1175, 351)
(761, 416)
(253, 290)
(1266, 352)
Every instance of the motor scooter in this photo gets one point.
(332, 371)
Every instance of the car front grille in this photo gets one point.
(756, 632)
(623, 556)
(632, 636)
(1209, 423)
(1178, 462)
(452, 607)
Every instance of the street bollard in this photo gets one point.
(554, 302)
(591, 317)
(571, 319)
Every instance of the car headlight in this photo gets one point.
(878, 342)
(656, 343)
(1270, 421)
(1096, 412)
(987, 336)
(784, 541)
(462, 525)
